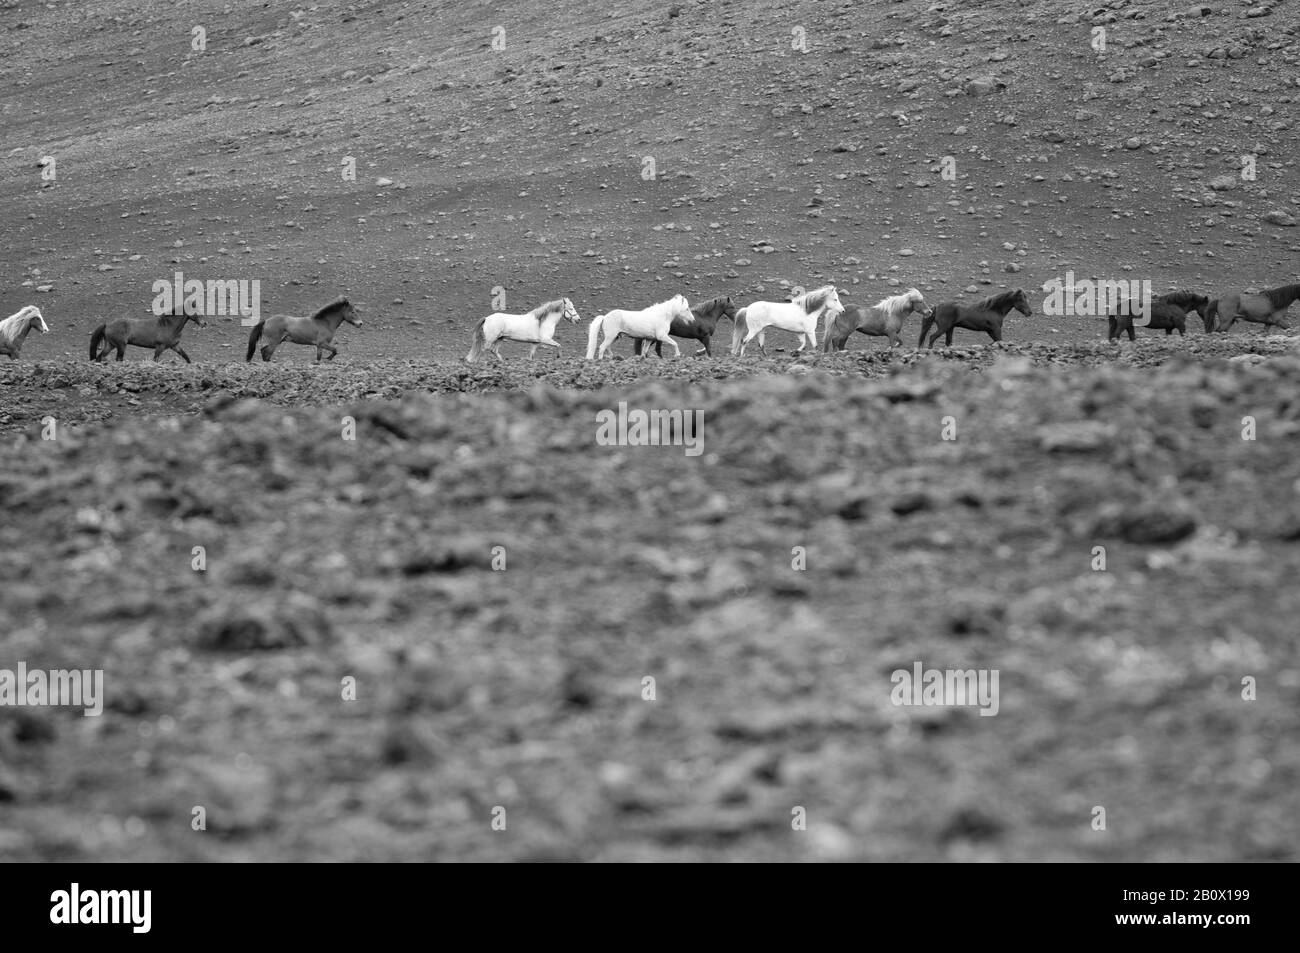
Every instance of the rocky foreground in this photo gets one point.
(1115, 536)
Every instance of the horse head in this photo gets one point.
(833, 300)
(36, 319)
(570, 312)
(348, 313)
(195, 315)
(916, 302)
(1208, 313)
(681, 308)
(1021, 303)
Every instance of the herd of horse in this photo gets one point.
(662, 323)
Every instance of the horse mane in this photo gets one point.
(336, 303)
(541, 311)
(9, 326)
(893, 302)
(996, 301)
(707, 306)
(1282, 295)
(1184, 298)
(810, 301)
(690, 314)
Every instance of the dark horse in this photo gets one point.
(1168, 314)
(315, 331)
(162, 333)
(1266, 308)
(986, 316)
(705, 323)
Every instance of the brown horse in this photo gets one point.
(317, 330)
(883, 319)
(162, 333)
(701, 329)
(1168, 314)
(986, 315)
(1266, 308)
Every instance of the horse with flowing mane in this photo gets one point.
(161, 333)
(883, 319)
(537, 327)
(653, 323)
(799, 315)
(1266, 307)
(986, 315)
(14, 329)
(1168, 314)
(316, 330)
(701, 329)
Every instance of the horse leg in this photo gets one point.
(706, 338)
(1112, 328)
(761, 339)
(947, 338)
(333, 352)
(158, 351)
(121, 352)
(749, 336)
(667, 339)
(181, 351)
(637, 344)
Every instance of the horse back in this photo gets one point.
(691, 329)
(946, 311)
(978, 319)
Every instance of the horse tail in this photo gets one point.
(593, 335)
(1211, 310)
(96, 339)
(738, 329)
(254, 336)
(477, 342)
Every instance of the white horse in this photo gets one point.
(13, 330)
(651, 323)
(798, 315)
(537, 327)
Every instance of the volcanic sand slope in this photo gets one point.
(523, 168)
